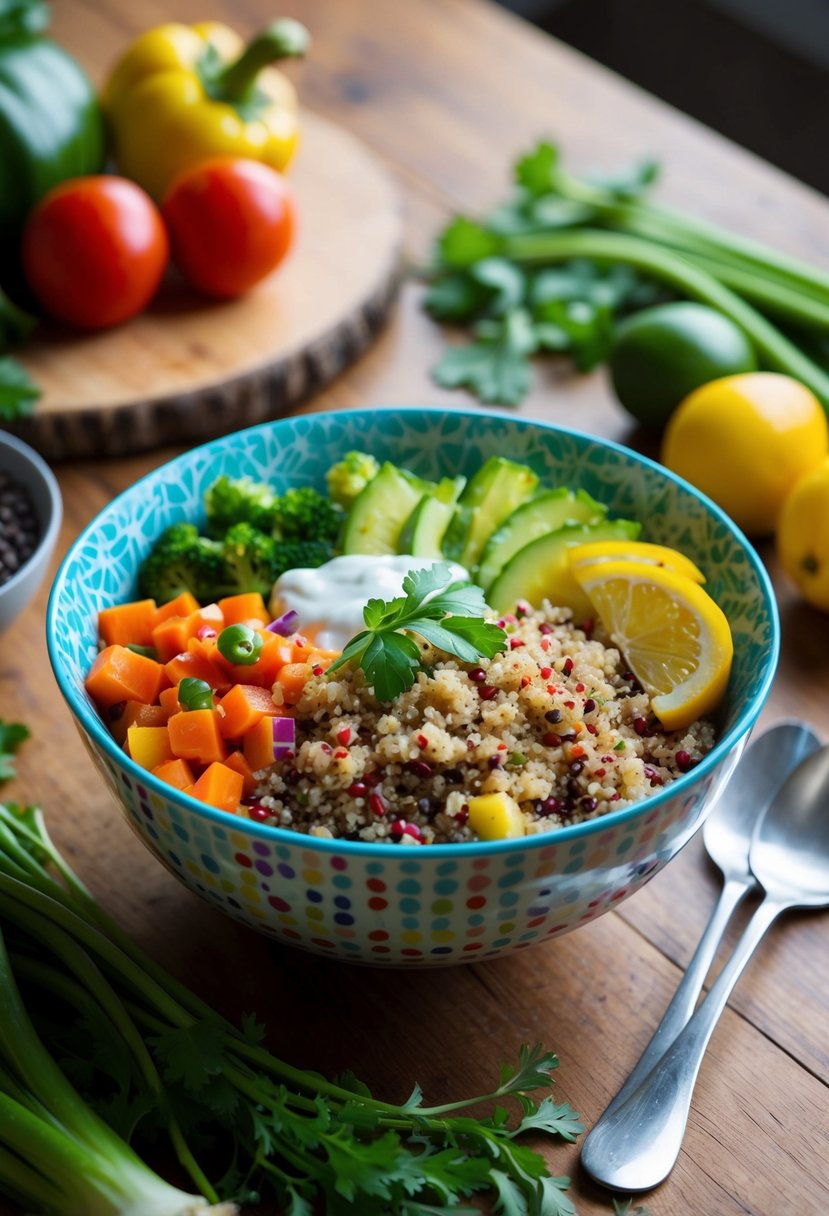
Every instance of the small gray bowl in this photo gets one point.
(29, 470)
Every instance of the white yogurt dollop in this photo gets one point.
(330, 600)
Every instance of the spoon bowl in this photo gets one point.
(789, 852)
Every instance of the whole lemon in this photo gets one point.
(745, 441)
(803, 536)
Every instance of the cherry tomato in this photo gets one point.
(94, 251)
(231, 222)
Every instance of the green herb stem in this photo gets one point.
(775, 350)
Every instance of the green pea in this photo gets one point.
(240, 644)
(195, 694)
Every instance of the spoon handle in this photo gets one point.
(685, 998)
(635, 1146)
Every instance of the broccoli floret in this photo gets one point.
(303, 514)
(181, 560)
(301, 554)
(235, 500)
(349, 476)
(252, 559)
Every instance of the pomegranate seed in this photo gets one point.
(545, 644)
(521, 609)
(460, 817)
(553, 715)
(613, 798)
(341, 754)
(358, 789)
(588, 626)
(600, 772)
(502, 747)
(607, 759)
(549, 806)
(588, 804)
(495, 761)
(419, 767)
(326, 747)
(422, 742)
(378, 806)
(591, 729)
(544, 628)
(525, 680)
(259, 813)
(317, 670)
(411, 829)
(470, 745)
(684, 761)
(552, 690)
(567, 669)
(546, 672)
(477, 675)
(570, 704)
(486, 692)
(397, 827)
(653, 776)
(515, 643)
(579, 687)
(576, 767)
(551, 740)
(344, 736)
(589, 706)
(640, 726)
(372, 779)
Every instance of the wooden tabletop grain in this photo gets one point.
(445, 92)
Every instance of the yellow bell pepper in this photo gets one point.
(185, 93)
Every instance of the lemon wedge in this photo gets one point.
(635, 551)
(675, 639)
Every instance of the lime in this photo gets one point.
(662, 354)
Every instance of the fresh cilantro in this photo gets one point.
(533, 1072)
(191, 1054)
(464, 242)
(12, 734)
(536, 171)
(18, 392)
(447, 615)
(549, 1116)
(495, 367)
(15, 324)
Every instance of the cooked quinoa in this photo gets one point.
(556, 721)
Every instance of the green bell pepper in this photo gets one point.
(51, 127)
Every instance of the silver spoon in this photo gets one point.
(634, 1147)
(763, 768)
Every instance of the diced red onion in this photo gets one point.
(284, 737)
(285, 624)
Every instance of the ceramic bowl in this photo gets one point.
(380, 903)
(30, 471)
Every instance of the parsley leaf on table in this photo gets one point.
(495, 367)
(448, 615)
(18, 392)
(12, 734)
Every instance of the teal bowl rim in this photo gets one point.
(614, 819)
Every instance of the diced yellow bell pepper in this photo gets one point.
(149, 746)
(496, 817)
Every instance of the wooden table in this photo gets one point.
(446, 92)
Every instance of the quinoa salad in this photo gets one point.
(557, 723)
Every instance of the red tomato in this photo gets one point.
(94, 251)
(231, 222)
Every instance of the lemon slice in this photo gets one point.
(635, 551)
(675, 639)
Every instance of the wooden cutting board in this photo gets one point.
(189, 368)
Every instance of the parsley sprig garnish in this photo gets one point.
(447, 614)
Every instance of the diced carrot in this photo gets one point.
(236, 761)
(119, 674)
(133, 713)
(242, 708)
(209, 617)
(149, 746)
(274, 655)
(247, 607)
(169, 637)
(195, 735)
(182, 605)
(219, 786)
(169, 702)
(126, 623)
(175, 772)
(292, 679)
(190, 663)
(257, 745)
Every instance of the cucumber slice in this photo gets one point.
(498, 488)
(380, 510)
(423, 531)
(546, 513)
(540, 571)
